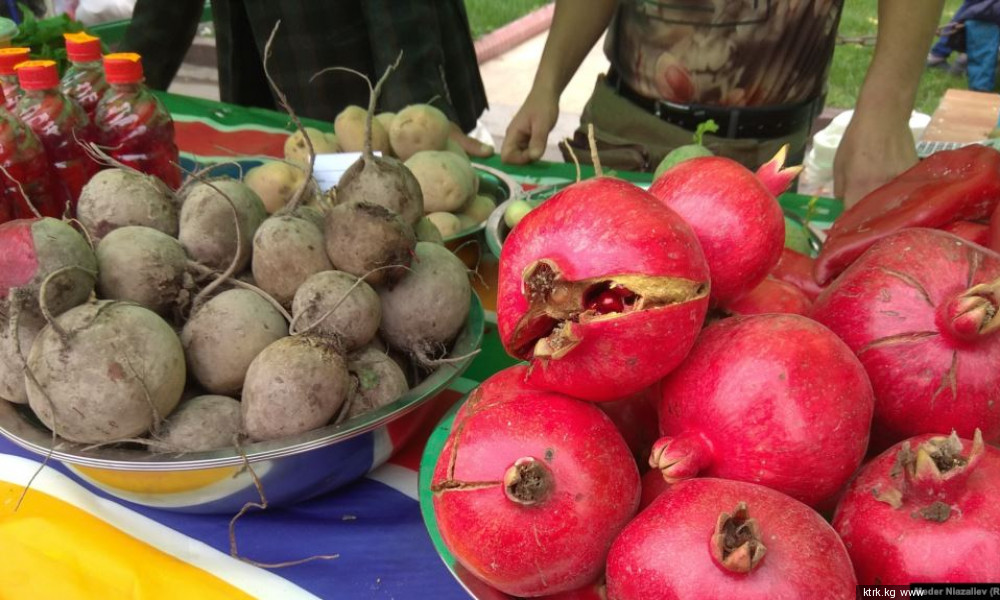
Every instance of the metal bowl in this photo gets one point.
(496, 184)
(290, 470)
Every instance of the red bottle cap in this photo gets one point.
(82, 47)
(11, 57)
(38, 74)
(123, 67)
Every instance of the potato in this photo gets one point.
(479, 208)
(297, 151)
(447, 224)
(453, 147)
(419, 127)
(275, 182)
(349, 127)
(446, 180)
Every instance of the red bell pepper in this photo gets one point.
(947, 186)
(974, 231)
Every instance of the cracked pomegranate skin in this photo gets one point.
(887, 308)
(591, 231)
(665, 553)
(774, 399)
(559, 542)
(897, 546)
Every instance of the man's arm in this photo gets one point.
(576, 27)
(878, 144)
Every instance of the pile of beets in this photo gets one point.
(702, 413)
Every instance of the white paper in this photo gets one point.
(327, 168)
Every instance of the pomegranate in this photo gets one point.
(532, 487)
(973, 231)
(912, 311)
(635, 418)
(713, 538)
(925, 511)
(737, 220)
(771, 296)
(773, 399)
(797, 269)
(653, 484)
(603, 289)
(993, 242)
(775, 176)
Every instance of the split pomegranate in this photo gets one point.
(770, 296)
(797, 269)
(737, 220)
(532, 487)
(913, 311)
(773, 399)
(973, 231)
(713, 538)
(925, 511)
(603, 289)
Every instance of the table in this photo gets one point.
(963, 116)
(70, 540)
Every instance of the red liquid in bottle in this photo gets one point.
(10, 58)
(29, 173)
(59, 123)
(132, 124)
(84, 79)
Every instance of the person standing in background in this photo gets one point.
(439, 63)
(756, 67)
(982, 39)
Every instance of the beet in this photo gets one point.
(33, 249)
(105, 371)
(773, 399)
(531, 487)
(200, 424)
(142, 265)
(13, 355)
(379, 381)
(287, 250)
(906, 309)
(592, 282)
(118, 197)
(208, 230)
(925, 511)
(713, 538)
(368, 240)
(334, 303)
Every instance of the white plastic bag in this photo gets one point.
(92, 12)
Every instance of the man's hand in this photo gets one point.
(472, 146)
(870, 154)
(529, 131)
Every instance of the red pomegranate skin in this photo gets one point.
(665, 553)
(636, 420)
(892, 522)
(776, 400)
(653, 484)
(737, 220)
(993, 243)
(977, 233)
(599, 230)
(559, 542)
(889, 307)
(775, 176)
(771, 296)
(797, 269)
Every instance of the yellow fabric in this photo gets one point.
(155, 482)
(40, 558)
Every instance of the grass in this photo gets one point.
(487, 15)
(850, 61)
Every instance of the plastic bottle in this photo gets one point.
(132, 124)
(59, 123)
(10, 58)
(28, 173)
(84, 79)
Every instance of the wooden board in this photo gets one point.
(963, 116)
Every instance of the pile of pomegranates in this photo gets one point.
(695, 408)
